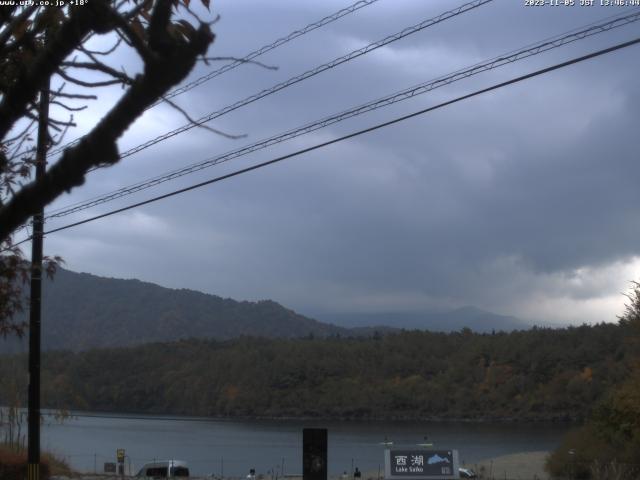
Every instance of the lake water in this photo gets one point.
(231, 448)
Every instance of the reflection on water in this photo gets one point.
(231, 448)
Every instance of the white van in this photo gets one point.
(164, 469)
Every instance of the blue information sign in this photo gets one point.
(421, 464)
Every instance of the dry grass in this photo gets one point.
(13, 464)
(518, 466)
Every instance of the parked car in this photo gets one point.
(467, 473)
(164, 469)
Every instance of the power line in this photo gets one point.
(352, 135)
(250, 56)
(496, 62)
(308, 74)
(267, 48)
(350, 56)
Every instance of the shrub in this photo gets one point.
(13, 465)
(587, 454)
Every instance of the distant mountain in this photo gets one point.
(476, 319)
(82, 311)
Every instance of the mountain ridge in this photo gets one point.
(83, 311)
(442, 321)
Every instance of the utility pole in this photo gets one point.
(33, 453)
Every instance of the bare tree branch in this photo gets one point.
(53, 101)
(200, 124)
(159, 39)
(104, 52)
(92, 16)
(27, 151)
(20, 135)
(134, 12)
(242, 60)
(67, 107)
(171, 60)
(77, 96)
(100, 67)
(58, 141)
(62, 123)
(9, 29)
(82, 83)
(131, 37)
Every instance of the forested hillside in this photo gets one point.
(82, 311)
(527, 375)
(436, 321)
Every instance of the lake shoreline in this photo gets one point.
(557, 419)
(529, 465)
(233, 447)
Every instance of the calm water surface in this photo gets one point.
(231, 448)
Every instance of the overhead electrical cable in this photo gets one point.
(350, 56)
(267, 48)
(351, 135)
(496, 62)
(251, 56)
(306, 75)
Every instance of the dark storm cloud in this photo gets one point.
(521, 201)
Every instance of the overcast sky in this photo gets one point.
(523, 201)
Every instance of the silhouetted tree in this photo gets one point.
(47, 45)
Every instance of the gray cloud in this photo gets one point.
(521, 201)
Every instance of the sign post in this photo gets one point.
(120, 457)
(314, 454)
(420, 464)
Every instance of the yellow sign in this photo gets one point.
(120, 455)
